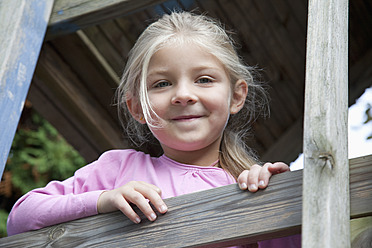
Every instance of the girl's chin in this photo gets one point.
(191, 146)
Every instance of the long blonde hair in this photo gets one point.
(207, 33)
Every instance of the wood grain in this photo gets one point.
(326, 171)
(22, 28)
(218, 217)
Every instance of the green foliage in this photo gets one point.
(3, 217)
(39, 156)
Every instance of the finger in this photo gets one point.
(153, 194)
(278, 167)
(126, 209)
(152, 186)
(264, 176)
(140, 201)
(243, 180)
(253, 177)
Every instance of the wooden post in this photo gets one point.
(326, 211)
(22, 28)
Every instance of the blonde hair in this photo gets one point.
(205, 32)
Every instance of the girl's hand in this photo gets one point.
(258, 176)
(138, 193)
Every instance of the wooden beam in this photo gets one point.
(102, 61)
(74, 100)
(326, 175)
(218, 217)
(71, 15)
(22, 28)
(47, 106)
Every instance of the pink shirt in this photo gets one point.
(77, 196)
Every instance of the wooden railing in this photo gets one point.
(218, 217)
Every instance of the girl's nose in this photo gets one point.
(184, 95)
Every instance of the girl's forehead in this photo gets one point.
(186, 54)
(185, 48)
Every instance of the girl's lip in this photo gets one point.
(186, 117)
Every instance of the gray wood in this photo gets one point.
(71, 15)
(218, 217)
(326, 173)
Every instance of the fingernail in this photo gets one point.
(152, 217)
(243, 186)
(137, 220)
(261, 183)
(252, 187)
(163, 208)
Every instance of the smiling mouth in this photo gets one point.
(186, 118)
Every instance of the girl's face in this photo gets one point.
(190, 91)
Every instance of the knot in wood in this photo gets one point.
(328, 159)
(56, 232)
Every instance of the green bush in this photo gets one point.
(38, 155)
(3, 217)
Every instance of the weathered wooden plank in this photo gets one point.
(326, 174)
(221, 214)
(22, 29)
(98, 76)
(48, 99)
(47, 107)
(104, 46)
(214, 218)
(76, 102)
(361, 187)
(71, 15)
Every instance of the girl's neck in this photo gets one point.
(199, 157)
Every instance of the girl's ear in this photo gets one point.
(239, 95)
(135, 109)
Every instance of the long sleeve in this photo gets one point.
(58, 202)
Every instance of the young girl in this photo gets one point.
(185, 85)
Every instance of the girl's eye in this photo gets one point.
(161, 84)
(204, 80)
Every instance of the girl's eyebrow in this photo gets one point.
(164, 71)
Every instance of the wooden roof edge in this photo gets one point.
(69, 15)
